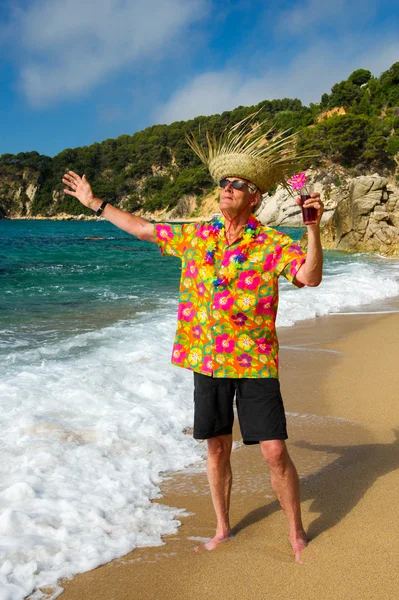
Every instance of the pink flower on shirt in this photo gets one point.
(224, 343)
(236, 255)
(207, 365)
(223, 300)
(248, 280)
(265, 306)
(191, 270)
(272, 259)
(164, 231)
(178, 353)
(204, 231)
(263, 346)
(227, 258)
(186, 311)
(294, 266)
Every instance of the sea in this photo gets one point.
(92, 414)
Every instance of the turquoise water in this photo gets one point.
(56, 280)
(61, 278)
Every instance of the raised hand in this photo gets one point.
(314, 201)
(80, 188)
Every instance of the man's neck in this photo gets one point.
(234, 224)
(236, 220)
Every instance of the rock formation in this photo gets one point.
(366, 219)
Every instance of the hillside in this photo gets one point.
(355, 127)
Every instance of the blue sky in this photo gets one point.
(78, 71)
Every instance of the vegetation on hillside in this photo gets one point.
(154, 168)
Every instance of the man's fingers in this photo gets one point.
(313, 202)
(74, 175)
(70, 183)
(70, 193)
(69, 180)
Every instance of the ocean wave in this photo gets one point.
(85, 443)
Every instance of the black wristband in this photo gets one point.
(99, 212)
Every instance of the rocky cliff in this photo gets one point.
(366, 219)
(17, 191)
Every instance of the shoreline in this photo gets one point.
(341, 442)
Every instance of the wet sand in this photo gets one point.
(340, 383)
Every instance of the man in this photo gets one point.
(227, 309)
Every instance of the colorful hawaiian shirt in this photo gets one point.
(228, 296)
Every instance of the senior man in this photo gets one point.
(227, 309)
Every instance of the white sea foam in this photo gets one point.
(345, 285)
(91, 423)
(85, 442)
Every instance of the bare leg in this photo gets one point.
(285, 483)
(220, 480)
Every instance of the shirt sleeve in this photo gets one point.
(289, 258)
(173, 239)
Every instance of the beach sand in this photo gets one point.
(340, 383)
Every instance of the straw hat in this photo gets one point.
(243, 151)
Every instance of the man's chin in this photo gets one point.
(226, 204)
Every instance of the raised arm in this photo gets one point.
(80, 188)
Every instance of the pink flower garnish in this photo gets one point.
(298, 181)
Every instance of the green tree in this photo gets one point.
(360, 77)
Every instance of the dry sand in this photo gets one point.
(340, 381)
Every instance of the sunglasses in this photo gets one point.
(237, 184)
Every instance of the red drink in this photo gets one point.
(309, 213)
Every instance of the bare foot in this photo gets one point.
(298, 543)
(215, 541)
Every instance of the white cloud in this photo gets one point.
(66, 48)
(304, 18)
(310, 74)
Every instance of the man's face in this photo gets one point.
(232, 200)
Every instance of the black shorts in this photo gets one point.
(259, 404)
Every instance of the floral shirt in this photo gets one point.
(228, 296)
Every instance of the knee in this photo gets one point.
(275, 453)
(219, 448)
